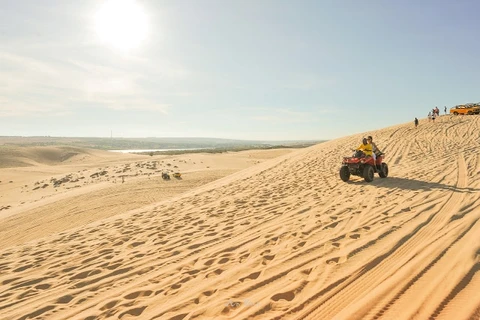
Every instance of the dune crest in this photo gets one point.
(13, 156)
(283, 239)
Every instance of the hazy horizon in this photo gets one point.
(148, 144)
(165, 138)
(266, 70)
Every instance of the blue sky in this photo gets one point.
(235, 69)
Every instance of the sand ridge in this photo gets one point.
(283, 239)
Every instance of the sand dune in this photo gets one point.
(39, 200)
(13, 156)
(285, 238)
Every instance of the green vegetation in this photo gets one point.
(228, 149)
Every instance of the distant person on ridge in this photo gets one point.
(445, 110)
(416, 122)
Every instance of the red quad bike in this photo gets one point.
(362, 166)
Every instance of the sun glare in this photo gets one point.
(121, 24)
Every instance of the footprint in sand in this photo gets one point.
(209, 262)
(336, 260)
(267, 258)
(43, 286)
(244, 257)
(214, 273)
(307, 271)
(137, 294)
(28, 266)
(330, 226)
(64, 299)
(136, 312)
(300, 245)
(288, 296)
(251, 276)
(223, 260)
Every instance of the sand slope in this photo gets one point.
(285, 238)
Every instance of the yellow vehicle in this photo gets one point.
(465, 109)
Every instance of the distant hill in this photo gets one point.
(148, 143)
(24, 156)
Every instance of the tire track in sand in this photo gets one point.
(377, 270)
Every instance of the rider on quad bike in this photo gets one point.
(366, 147)
(363, 164)
(375, 151)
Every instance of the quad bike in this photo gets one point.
(165, 176)
(360, 165)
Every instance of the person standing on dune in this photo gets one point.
(445, 110)
(416, 122)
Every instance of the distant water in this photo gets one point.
(153, 150)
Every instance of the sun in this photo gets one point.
(121, 24)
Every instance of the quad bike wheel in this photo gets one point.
(384, 171)
(344, 173)
(368, 173)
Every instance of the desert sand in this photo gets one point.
(279, 238)
(51, 189)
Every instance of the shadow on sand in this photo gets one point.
(411, 184)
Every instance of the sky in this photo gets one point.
(237, 69)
